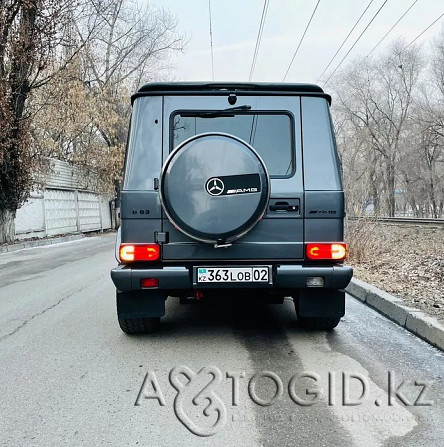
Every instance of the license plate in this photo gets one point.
(233, 274)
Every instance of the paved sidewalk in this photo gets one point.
(40, 242)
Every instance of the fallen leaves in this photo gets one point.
(405, 261)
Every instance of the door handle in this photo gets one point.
(283, 206)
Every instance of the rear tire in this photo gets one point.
(318, 324)
(139, 325)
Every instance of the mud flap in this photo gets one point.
(140, 304)
(320, 303)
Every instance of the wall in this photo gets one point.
(66, 204)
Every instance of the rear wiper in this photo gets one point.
(223, 112)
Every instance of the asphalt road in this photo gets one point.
(70, 377)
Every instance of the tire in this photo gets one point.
(139, 325)
(319, 324)
(214, 188)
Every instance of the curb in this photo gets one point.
(392, 307)
(40, 243)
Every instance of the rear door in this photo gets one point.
(273, 127)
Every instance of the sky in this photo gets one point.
(235, 25)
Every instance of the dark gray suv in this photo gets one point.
(231, 190)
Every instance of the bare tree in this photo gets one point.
(376, 96)
(30, 33)
(72, 64)
(424, 165)
(132, 45)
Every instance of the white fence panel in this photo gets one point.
(89, 211)
(105, 211)
(30, 218)
(67, 176)
(60, 211)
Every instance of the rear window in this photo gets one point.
(270, 134)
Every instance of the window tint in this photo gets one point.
(269, 134)
(144, 145)
(319, 146)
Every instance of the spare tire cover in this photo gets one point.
(214, 187)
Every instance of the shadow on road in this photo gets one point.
(215, 318)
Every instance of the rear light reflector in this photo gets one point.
(334, 251)
(139, 252)
(147, 283)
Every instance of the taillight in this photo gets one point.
(148, 283)
(334, 251)
(139, 252)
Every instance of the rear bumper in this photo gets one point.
(127, 278)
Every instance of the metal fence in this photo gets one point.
(63, 206)
(58, 211)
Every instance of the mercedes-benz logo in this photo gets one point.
(215, 186)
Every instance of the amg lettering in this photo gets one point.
(241, 190)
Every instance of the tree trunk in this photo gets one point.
(391, 189)
(412, 203)
(15, 164)
(7, 227)
(431, 187)
(374, 190)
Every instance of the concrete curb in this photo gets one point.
(40, 243)
(392, 307)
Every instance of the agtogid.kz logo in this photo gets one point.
(196, 393)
